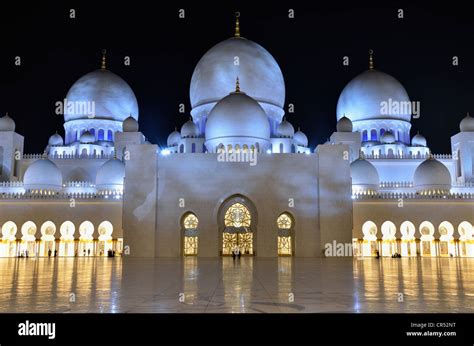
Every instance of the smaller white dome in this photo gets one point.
(467, 124)
(189, 129)
(344, 125)
(300, 138)
(130, 125)
(173, 138)
(364, 176)
(7, 124)
(55, 140)
(110, 175)
(387, 138)
(418, 140)
(87, 138)
(43, 174)
(432, 175)
(285, 129)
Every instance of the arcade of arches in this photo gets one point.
(66, 245)
(420, 240)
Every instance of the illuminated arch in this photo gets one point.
(48, 229)
(465, 230)
(466, 239)
(369, 244)
(408, 243)
(285, 225)
(9, 230)
(189, 224)
(67, 230)
(105, 230)
(427, 244)
(388, 230)
(86, 230)
(237, 220)
(446, 240)
(28, 231)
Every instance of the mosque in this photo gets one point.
(237, 174)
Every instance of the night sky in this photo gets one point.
(164, 50)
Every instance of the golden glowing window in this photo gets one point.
(284, 246)
(190, 246)
(237, 216)
(284, 221)
(190, 221)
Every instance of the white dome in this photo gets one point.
(257, 70)
(362, 97)
(110, 175)
(300, 139)
(344, 125)
(432, 175)
(285, 130)
(87, 137)
(364, 175)
(43, 174)
(237, 118)
(467, 124)
(55, 140)
(7, 123)
(112, 96)
(189, 129)
(173, 138)
(130, 125)
(418, 141)
(387, 138)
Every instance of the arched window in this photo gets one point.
(364, 136)
(92, 131)
(285, 240)
(190, 243)
(382, 131)
(293, 148)
(281, 148)
(181, 148)
(373, 135)
(100, 135)
(110, 135)
(193, 147)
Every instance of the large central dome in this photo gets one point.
(112, 96)
(362, 98)
(215, 73)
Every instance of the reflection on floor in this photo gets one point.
(250, 284)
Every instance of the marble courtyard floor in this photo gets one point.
(196, 285)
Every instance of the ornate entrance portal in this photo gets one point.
(237, 231)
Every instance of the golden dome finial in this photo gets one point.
(237, 85)
(104, 52)
(371, 59)
(237, 24)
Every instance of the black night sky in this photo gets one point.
(164, 50)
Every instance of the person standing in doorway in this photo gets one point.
(49, 252)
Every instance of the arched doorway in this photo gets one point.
(369, 245)
(237, 231)
(285, 226)
(28, 238)
(427, 244)
(446, 240)
(189, 224)
(86, 241)
(466, 239)
(389, 241)
(48, 242)
(8, 245)
(105, 237)
(66, 242)
(408, 244)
